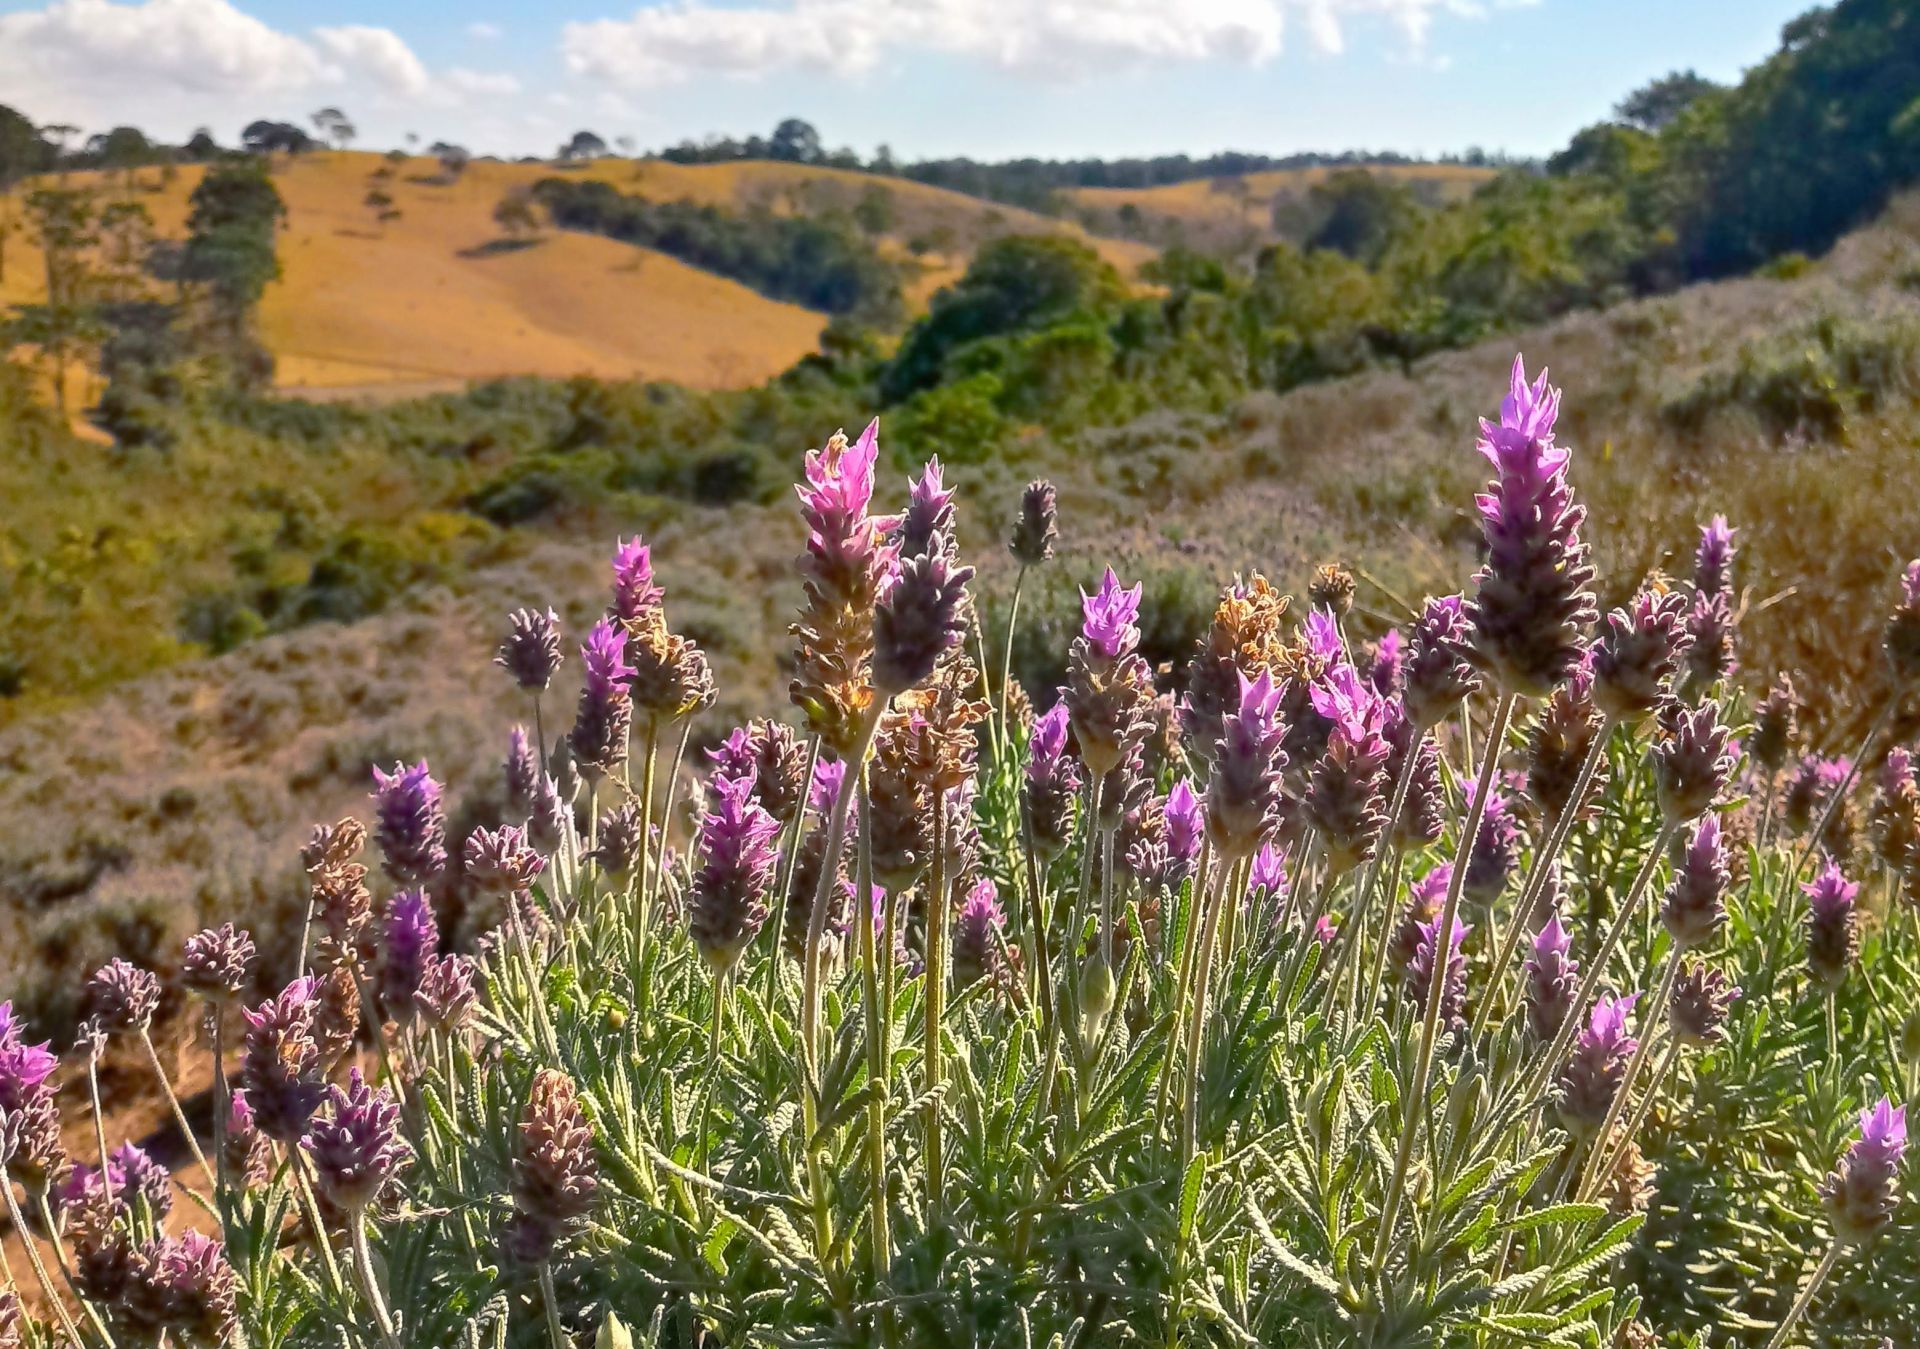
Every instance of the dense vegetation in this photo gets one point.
(1282, 1015)
(824, 262)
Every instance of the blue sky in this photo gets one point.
(988, 78)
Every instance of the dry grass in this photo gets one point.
(433, 299)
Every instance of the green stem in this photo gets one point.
(877, 1048)
(94, 1318)
(1006, 656)
(1839, 794)
(1415, 1100)
(303, 1184)
(1358, 918)
(936, 1006)
(179, 1115)
(1183, 984)
(1784, 1331)
(369, 1284)
(99, 1123)
(796, 835)
(1661, 1072)
(556, 1333)
(1386, 938)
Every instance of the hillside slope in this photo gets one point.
(1233, 212)
(438, 296)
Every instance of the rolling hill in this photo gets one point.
(1235, 212)
(438, 296)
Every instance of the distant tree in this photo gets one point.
(201, 146)
(1015, 283)
(627, 145)
(1359, 212)
(63, 224)
(883, 160)
(234, 216)
(795, 141)
(875, 213)
(453, 158)
(22, 154)
(333, 125)
(1133, 225)
(396, 157)
(583, 145)
(126, 229)
(1653, 106)
(516, 213)
(263, 137)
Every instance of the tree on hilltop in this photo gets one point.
(334, 125)
(583, 145)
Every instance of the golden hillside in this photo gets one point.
(424, 303)
(1217, 212)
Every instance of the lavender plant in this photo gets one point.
(950, 1024)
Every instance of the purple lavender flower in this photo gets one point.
(635, 596)
(498, 861)
(845, 563)
(919, 617)
(1552, 981)
(1713, 560)
(620, 844)
(410, 822)
(1420, 822)
(1833, 926)
(1533, 597)
(927, 523)
(136, 1175)
(531, 651)
(1110, 617)
(1243, 796)
(1385, 666)
(1593, 1076)
(280, 1061)
(521, 770)
(24, 1068)
(412, 939)
(605, 711)
(1033, 533)
(1863, 1190)
(728, 899)
(1902, 636)
(216, 962)
(1695, 904)
(1051, 783)
(1495, 854)
(976, 934)
(182, 1286)
(1344, 799)
(550, 819)
(355, 1145)
(1425, 898)
(1693, 761)
(774, 757)
(445, 998)
(1776, 725)
(1427, 958)
(554, 1172)
(1436, 674)
(1710, 640)
(1185, 823)
(249, 1154)
(1267, 878)
(1814, 781)
(1636, 652)
(122, 998)
(1698, 1010)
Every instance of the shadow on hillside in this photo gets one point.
(495, 247)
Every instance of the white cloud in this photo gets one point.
(169, 65)
(380, 54)
(480, 83)
(1050, 39)
(199, 46)
(482, 31)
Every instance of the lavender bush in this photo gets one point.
(941, 1021)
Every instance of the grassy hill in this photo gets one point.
(437, 297)
(1232, 212)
